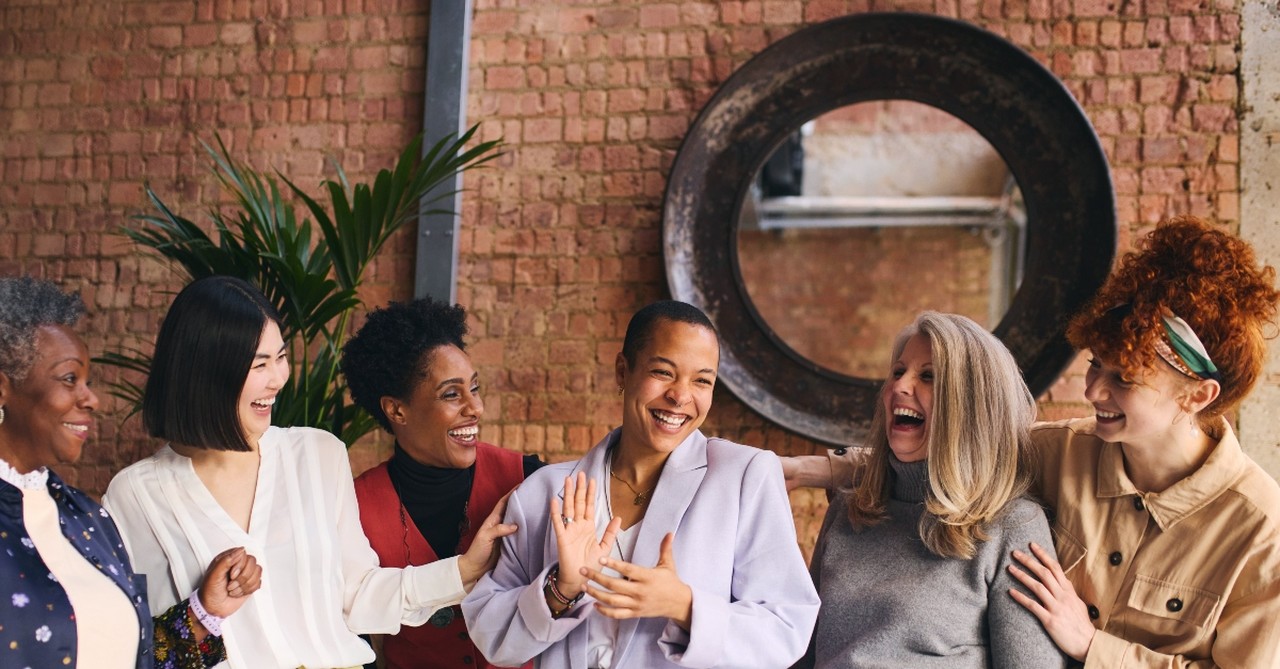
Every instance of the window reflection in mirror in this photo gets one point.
(869, 214)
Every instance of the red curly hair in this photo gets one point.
(1206, 276)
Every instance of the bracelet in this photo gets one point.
(212, 623)
(552, 586)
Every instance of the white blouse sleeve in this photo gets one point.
(380, 599)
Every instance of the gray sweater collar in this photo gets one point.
(910, 480)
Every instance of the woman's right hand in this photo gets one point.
(574, 523)
(232, 576)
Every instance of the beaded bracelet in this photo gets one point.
(552, 586)
(212, 623)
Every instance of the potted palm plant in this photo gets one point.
(309, 263)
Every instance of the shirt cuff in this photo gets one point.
(1106, 652)
(435, 585)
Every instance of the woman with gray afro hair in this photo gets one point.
(25, 305)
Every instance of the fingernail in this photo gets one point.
(604, 560)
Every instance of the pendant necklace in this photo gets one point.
(641, 497)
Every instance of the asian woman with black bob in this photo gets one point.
(226, 477)
(910, 563)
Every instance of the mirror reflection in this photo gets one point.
(869, 214)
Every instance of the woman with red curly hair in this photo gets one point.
(1167, 534)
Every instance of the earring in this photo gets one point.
(619, 394)
(1, 414)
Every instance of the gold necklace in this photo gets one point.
(641, 497)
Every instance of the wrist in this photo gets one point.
(557, 599)
(212, 623)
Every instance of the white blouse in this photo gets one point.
(321, 583)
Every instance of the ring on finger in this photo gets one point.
(566, 520)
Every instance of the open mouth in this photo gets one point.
(1107, 415)
(466, 434)
(669, 420)
(907, 418)
(82, 430)
(264, 404)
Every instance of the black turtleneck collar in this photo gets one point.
(435, 497)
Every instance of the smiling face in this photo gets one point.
(667, 394)
(267, 375)
(49, 414)
(908, 400)
(439, 423)
(1140, 411)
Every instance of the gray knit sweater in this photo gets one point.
(888, 602)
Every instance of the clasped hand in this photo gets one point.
(639, 592)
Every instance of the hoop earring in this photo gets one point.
(619, 391)
(1, 414)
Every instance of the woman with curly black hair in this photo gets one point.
(1168, 535)
(408, 367)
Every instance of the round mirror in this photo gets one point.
(858, 193)
(1017, 106)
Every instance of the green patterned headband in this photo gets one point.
(1181, 348)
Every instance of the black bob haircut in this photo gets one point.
(388, 356)
(203, 355)
(640, 329)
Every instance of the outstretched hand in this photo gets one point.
(232, 576)
(574, 523)
(643, 592)
(1056, 604)
(482, 554)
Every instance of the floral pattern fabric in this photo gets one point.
(37, 622)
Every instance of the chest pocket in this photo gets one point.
(1070, 551)
(1177, 613)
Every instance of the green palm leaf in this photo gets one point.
(311, 276)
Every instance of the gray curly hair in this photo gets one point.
(26, 304)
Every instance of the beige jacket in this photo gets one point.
(1189, 577)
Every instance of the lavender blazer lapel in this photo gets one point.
(678, 485)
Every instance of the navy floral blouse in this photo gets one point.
(37, 624)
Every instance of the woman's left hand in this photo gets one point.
(1063, 614)
(643, 592)
(482, 554)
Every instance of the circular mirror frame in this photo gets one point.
(1017, 105)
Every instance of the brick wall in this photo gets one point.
(561, 239)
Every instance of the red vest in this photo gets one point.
(428, 646)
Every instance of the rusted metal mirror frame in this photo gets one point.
(1020, 107)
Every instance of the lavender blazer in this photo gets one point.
(754, 604)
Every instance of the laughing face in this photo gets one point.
(1139, 411)
(49, 415)
(667, 394)
(908, 400)
(439, 423)
(267, 375)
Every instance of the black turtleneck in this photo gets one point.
(436, 497)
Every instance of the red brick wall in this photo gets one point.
(562, 238)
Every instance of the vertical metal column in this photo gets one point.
(444, 112)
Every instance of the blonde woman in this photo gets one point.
(912, 561)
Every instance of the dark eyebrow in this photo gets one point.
(658, 358)
(456, 379)
(266, 355)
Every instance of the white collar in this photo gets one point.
(38, 478)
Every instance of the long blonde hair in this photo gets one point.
(977, 438)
